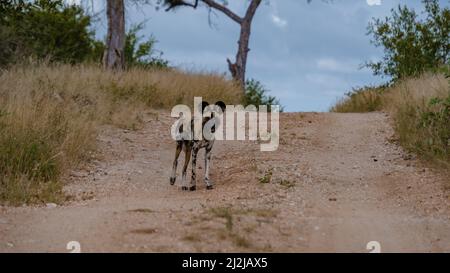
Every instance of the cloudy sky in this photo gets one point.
(308, 55)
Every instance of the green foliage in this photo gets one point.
(142, 54)
(412, 45)
(138, 53)
(44, 29)
(256, 94)
(97, 50)
(435, 126)
(267, 178)
(444, 70)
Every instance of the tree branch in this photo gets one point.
(213, 4)
(175, 3)
(252, 9)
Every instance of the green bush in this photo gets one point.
(256, 94)
(138, 53)
(435, 127)
(412, 44)
(44, 29)
(143, 54)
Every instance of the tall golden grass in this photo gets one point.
(420, 108)
(49, 116)
(367, 99)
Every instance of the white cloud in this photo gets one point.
(71, 2)
(276, 19)
(279, 22)
(328, 64)
(333, 65)
(374, 2)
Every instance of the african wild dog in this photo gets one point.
(191, 146)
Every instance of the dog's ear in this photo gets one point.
(222, 105)
(204, 105)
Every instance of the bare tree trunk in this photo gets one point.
(238, 68)
(113, 57)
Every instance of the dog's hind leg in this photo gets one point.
(209, 185)
(187, 158)
(193, 185)
(173, 177)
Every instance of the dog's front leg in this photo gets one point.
(209, 185)
(187, 158)
(173, 177)
(193, 185)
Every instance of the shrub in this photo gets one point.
(142, 54)
(412, 44)
(436, 122)
(44, 29)
(256, 94)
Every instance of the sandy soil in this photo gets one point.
(338, 181)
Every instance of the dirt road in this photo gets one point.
(337, 182)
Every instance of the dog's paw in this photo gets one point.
(184, 188)
(209, 187)
(172, 180)
(193, 188)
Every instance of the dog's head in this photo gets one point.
(218, 108)
(221, 105)
(212, 114)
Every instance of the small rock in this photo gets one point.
(51, 205)
(10, 244)
(77, 174)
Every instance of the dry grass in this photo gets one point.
(421, 111)
(360, 101)
(49, 116)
